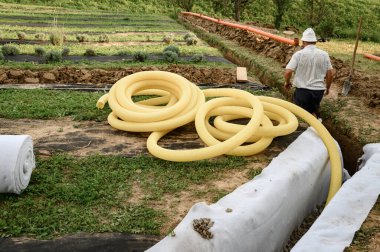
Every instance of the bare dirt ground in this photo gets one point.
(100, 77)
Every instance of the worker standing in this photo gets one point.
(311, 66)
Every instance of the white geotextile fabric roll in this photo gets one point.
(16, 162)
(336, 226)
(261, 214)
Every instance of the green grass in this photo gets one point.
(50, 104)
(68, 195)
(343, 49)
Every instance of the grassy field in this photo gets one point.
(95, 194)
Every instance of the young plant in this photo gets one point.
(82, 38)
(65, 52)
(21, 35)
(191, 41)
(148, 38)
(140, 56)
(40, 36)
(168, 39)
(197, 58)
(56, 39)
(104, 38)
(57, 35)
(172, 48)
(188, 35)
(39, 51)
(10, 50)
(90, 53)
(170, 56)
(53, 56)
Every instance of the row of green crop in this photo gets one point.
(79, 49)
(81, 22)
(101, 38)
(112, 29)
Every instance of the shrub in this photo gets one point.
(90, 53)
(56, 38)
(10, 50)
(82, 38)
(104, 38)
(39, 36)
(2, 58)
(192, 41)
(170, 56)
(39, 51)
(197, 58)
(168, 39)
(326, 28)
(188, 35)
(65, 52)
(140, 56)
(123, 53)
(53, 56)
(21, 35)
(172, 48)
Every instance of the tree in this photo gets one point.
(282, 6)
(187, 5)
(239, 7)
(316, 10)
(225, 7)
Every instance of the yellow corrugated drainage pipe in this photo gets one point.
(176, 102)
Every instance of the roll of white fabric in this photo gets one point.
(16, 162)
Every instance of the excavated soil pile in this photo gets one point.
(268, 47)
(101, 77)
(364, 85)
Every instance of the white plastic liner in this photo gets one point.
(16, 162)
(265, 210)
(336, 226)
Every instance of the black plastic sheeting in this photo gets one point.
(82, 242)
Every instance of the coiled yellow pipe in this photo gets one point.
(180, 102)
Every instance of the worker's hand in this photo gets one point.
(327, 91)
(287, 86)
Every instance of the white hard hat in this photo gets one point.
(309, 35)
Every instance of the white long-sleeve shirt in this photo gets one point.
(310, 65)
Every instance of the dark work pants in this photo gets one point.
(308, 99)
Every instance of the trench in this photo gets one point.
(350, 146)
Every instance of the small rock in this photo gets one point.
(48, 77)
(288, 32)
(228, 210)
(44, 152)
(32, 80)
(3, 77)
(29, 73)
(15, 73)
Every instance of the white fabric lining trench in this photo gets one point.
(16, 162)
(261, 214)
(336, 226)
